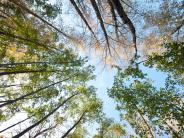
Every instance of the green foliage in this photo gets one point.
(170, 60)
(39, 74)
(45, 8)
(109, 129)
(79, 132)
(140, 100)
(46, 80)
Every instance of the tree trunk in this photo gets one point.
(21, 38)
(22, 71)
(30, 63)
(146, 123)
(69, 130)
(173, 131)
(45, 130)
(6, 86)
(114, 18)
(43, 119)
(15, 124)
(21, 63)
(82, 16)
(32, 93)
(117, 5)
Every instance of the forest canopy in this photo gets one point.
(45, 88)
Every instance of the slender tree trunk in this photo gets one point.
(6, 86)
(178, 27)
(173, 131)
(102, 133)
(30, 63)
(69, 130)
(23, 39)
(22, 63)
(12, 65)
(22, 71)
(44, 118)
(114, 18)
(32, 93)
(145, 121)
(15, 124)
(45, 130)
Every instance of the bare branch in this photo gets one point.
(126, 20)
(95, 7)
(82, 16)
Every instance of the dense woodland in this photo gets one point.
(44, 79)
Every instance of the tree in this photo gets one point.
(170, 60)
(40, 76)
(168, 18)
(139, 101)
(165, 22)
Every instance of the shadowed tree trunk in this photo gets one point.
(22, 63)
(176, 135)
(114, 18)
(30, 63)
(6, 86)
(145, 121)
(2, 32)
(22, 71)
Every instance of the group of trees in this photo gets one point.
(43, 78)
(152, 111)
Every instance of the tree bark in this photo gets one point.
(2, 32)
(114, 18)
(146, 123)
(22, 63)
(6, 86)
(29, 63)
(173, 131)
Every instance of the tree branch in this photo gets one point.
(95, 7)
